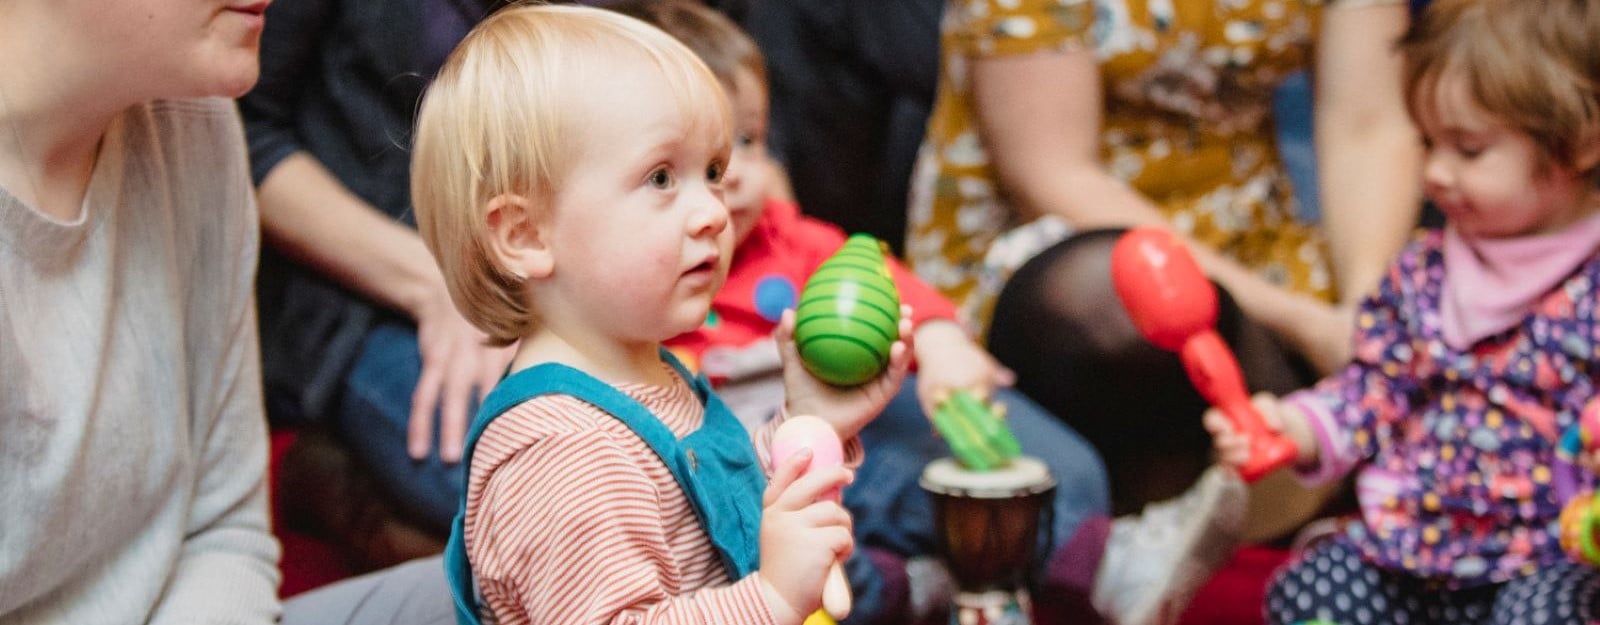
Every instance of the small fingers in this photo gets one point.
(784, 475)
(808, 488)
(1217, 424)
(1267, 406)
(424, 401)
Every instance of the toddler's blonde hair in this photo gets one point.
(506, 115)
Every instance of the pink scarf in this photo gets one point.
(1490, 284)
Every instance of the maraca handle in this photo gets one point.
(836, 593)
(1215, 373)
(1268, 450)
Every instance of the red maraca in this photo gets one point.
(1175, 308)
(807, 432)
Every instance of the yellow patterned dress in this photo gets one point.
(1188, 89)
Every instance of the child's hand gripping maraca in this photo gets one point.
(807, 432)
(1175, 307)
(846, 348)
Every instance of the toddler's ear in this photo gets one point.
(518, 236)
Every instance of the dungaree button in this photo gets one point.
(694, 461)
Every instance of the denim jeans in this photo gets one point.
(374, 412)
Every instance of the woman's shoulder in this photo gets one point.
(1004, 27)
(200, 126)
(182, 163)
(204, 133)
(198, 142)
(194, 107)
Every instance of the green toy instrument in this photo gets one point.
(976, 432)
(849, 315)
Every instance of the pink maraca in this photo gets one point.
(807, 432)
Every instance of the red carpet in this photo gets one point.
(1234, 595)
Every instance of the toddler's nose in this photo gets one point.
(710, 217)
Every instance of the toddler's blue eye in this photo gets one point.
(661, 178)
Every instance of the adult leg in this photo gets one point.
(1060, 325)
(414, 593)
(373, 417)
(356, 484)
(1554, 595)
(322, 489)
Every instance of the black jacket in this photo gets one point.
(340, 80)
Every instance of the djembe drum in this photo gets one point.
(989, 532)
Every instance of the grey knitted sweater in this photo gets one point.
(132, 442)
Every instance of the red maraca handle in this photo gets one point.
(1215, 373)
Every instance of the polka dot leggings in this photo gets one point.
(1332, 585)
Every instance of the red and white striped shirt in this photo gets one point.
(572, 519)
